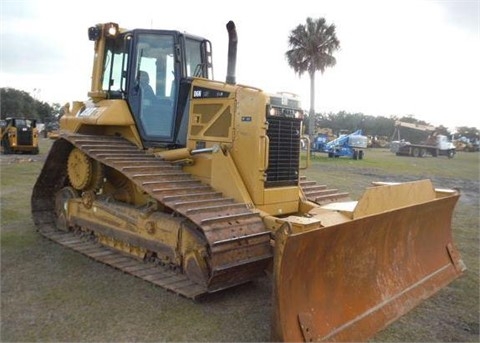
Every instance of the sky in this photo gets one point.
(417, 58)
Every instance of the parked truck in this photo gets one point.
(435, 144)
(19, 135)
(351, 145)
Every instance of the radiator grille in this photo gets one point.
(284, 153)
(24, 137)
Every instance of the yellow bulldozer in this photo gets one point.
(195, 185)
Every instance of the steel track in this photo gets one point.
(239, 244)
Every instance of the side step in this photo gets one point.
(150, 272)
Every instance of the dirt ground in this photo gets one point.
(52, 294)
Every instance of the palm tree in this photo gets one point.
(311, 49)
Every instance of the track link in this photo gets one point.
(238, 242)
(158, 275)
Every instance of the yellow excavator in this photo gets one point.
(194, 185)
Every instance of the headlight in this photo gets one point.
(111, 29)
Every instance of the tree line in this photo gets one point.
(380, 126)
(20, 104)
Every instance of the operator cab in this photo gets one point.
(20, 123)
(153, 70)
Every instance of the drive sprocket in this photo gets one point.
(84, 172)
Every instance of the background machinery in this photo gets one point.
(194, 185)
(351, 145)
(19, 135)
(465, 144)
(435, 144)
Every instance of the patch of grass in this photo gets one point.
(50, 293)
(14, 240)
(18, 174)
(17, 180)
(463, 165)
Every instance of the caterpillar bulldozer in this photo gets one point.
(196, 185)
(19, 135)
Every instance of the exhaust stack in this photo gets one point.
(232, 52)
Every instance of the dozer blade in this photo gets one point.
(348, 281)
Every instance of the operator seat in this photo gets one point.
(156, 114)
(146, 89)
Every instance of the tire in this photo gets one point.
(416, 152)
(451, 153)
(360, 155)
(355, 155)
(6, 146)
